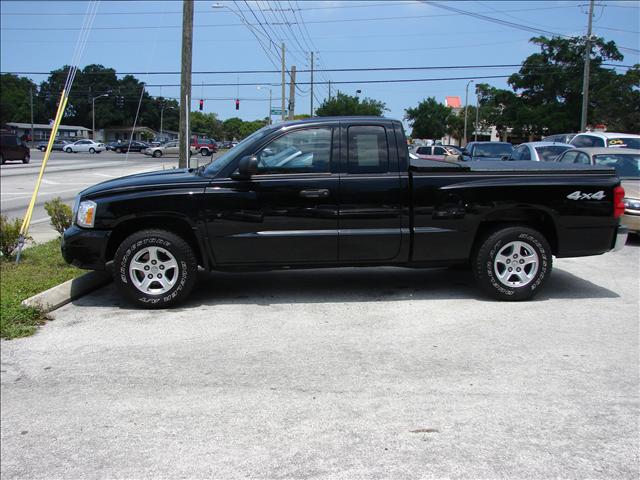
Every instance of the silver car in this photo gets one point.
(169, 149)
(539, 151)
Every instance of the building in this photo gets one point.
(113, 134)
(42, 132)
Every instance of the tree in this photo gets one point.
(247, 128)
(14, 98)
(429, 119)
(343, 104)
(231, 128)
(206, 123)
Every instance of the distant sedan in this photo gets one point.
(57, 145)
(133, 146)
(84, 146)
(539, 151)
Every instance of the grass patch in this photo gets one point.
(41, 267)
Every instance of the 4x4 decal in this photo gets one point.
(578, 195)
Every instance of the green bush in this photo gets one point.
(60, 214)
(9, 235)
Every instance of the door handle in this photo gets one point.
(319, 193)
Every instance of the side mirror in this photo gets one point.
(247, 167)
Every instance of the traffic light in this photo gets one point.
(201, 104)
(237, 104)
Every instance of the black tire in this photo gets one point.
(118, 150)
(176, 246)
(42, 149)
(92, 150)
(68, 150)
(2, 160)
(156, 154)
(487, 267)
(27, 158)
(204, 152)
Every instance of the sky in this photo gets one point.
(145, 37)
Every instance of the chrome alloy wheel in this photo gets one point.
(516, 264)
(153, 270)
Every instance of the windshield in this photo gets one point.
(549, 154)
(625, 142)
(492, 150)
(626, 165)
(223, 160)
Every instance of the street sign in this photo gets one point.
(277, 111)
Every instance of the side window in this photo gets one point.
(439, 151)
(582, 159)
(526, 154)
(517, 154)
(597, 142)
(569, 157)
(368, 150)
(300, 151)
(423, 151)
(582, 141)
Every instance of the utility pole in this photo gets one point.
(329, 89)
(292, 93)
(585, 75)
(270, 95)
(185, 82)
(466, 108)
(477, 114)
(283, 84)
(31, 95)
(311, 110)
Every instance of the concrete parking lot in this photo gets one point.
(380, 373)
(65, 176)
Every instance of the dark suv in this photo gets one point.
(12, 148)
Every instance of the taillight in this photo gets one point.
(618, 202)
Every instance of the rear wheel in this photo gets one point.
(2, 160)
(92, 150)
(27, 158)
(68, 150)
(118, 150)
(204, 152)
(157, 154)
(513, 263)
(155, 268)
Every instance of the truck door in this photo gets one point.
(371, 194)
(287, 212)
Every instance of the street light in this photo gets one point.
(477, 113)
(260, 87)
(162, 109)
(93, 114)
(466, 105)
(358, 92)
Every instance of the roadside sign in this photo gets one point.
(277, 111)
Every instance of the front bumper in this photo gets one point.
(85, 248)
(621, 238)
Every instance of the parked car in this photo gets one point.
(606, 139)
(206, 146)
(538, 151)
(57, 145)
(134, 146)
(486, 151)
(342, 200)
(437, 152)
(12, 148)
(229, 144)
(169, 149)
(627, 165)
(84, 146)
(559, 138)
(113, 145)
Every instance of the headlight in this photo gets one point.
(632, 203)
(86, 214)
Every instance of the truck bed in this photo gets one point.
(421, 165)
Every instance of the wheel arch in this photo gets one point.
(174, 224)
(535, 218)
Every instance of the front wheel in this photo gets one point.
(155, 268)
(2, 160)
(68, 150)
(157, 154)
(204, 152)
(26, 159)
(513, 263)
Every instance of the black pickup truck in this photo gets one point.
(330, 192)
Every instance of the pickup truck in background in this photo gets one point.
(438, 152)
(338, 192)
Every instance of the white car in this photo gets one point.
(84, 146)
(606, 140)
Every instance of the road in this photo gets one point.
(65, 176)
(340, 374)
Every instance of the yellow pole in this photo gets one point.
(54, 131)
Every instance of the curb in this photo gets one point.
(64, 293)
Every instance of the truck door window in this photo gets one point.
(569, 157)
(300, 151)
(439, 151)
(368, 150)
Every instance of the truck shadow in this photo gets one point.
(370, 285)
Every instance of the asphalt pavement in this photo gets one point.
(67, 174)
(340, 374)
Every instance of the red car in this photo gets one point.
(206, 146)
